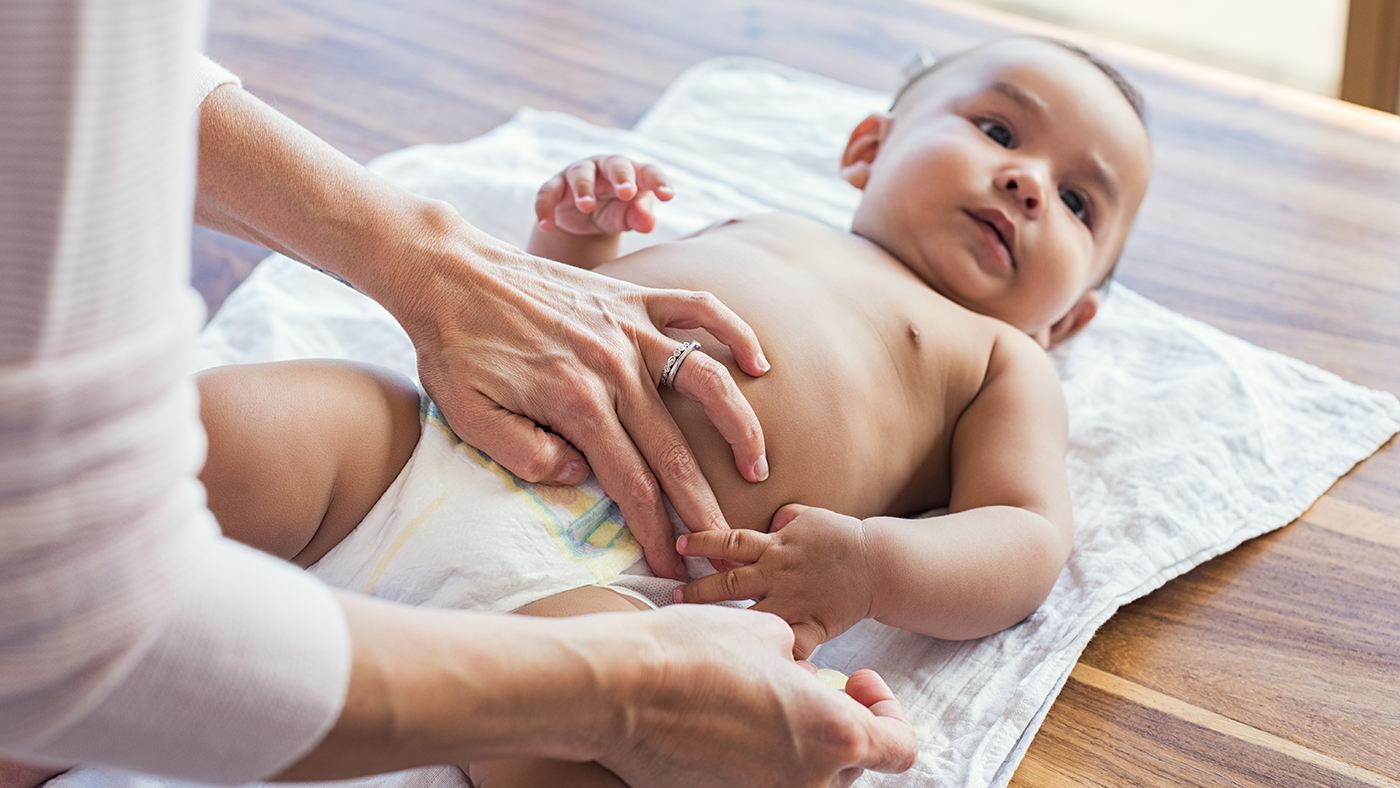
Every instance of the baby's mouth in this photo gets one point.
(999, 235)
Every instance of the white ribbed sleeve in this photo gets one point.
(131, 633)
(207, 76)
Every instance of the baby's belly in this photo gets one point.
(866, 361)
(843, 425)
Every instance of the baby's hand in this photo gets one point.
(602, 195)
(811, 569)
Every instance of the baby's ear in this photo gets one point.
(860, 150)
(1075, 319)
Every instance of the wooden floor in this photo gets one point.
(1273, 215)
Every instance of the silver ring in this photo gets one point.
(673, 364)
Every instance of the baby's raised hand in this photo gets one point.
(811, 569)
(602, 195)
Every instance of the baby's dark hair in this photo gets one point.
(926, 65)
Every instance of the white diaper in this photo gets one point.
(456, 530)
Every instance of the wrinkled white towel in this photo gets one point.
(1184, 441)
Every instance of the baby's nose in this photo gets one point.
(1025, 188)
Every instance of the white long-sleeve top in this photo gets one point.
(131, 633)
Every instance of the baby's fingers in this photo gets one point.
(622, 175)
(548, 198)
(746, 582)
(582, 178)
(739, 545)
(806, 636)
(651, 178)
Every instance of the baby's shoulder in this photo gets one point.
(1017, 362)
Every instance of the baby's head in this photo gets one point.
(1006, 177)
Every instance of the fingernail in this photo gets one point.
(680, 569)
(763, 363)
(681, 542)
(678, 597)
(760, 469)
(574, 472)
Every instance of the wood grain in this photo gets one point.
(1273, 215)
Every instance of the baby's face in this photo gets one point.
(1007, 180)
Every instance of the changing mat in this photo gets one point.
(1184, 441)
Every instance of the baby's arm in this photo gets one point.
(583, 210)
(983, 567)
(993, 559)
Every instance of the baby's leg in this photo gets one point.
(14, 774)
(537, 772)
(299, 451)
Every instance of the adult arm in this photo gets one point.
(531, 361)
(130, 633)
(982, 567)
(682, 697)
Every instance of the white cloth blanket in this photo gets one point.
(1184, 441)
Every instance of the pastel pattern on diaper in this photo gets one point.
(582, 521)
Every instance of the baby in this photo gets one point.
(908, 373)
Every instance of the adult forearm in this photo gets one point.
(963, 575)
(267, 180)
(696, 697)
(437, 687)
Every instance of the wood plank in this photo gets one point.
(1292, 634)
(1209, 720)
(1347, 518)
(1110, 733)
(223, 264)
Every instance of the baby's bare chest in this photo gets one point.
(871, 370)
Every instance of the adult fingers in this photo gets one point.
(697, 309)
(847, 777)
(517, 443)
(623, 464)
(581, 177)
(731, 585)
(706, 381)
(892, 744)
(664, 446)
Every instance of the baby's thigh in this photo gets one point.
(526, 773)
(299, 451)
(541, 774)
(582, 601)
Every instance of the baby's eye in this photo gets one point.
(1076, 203)
(998, 131)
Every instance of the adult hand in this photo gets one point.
(536, 363)
(724, 705)
(693, 696)
(509, 345)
